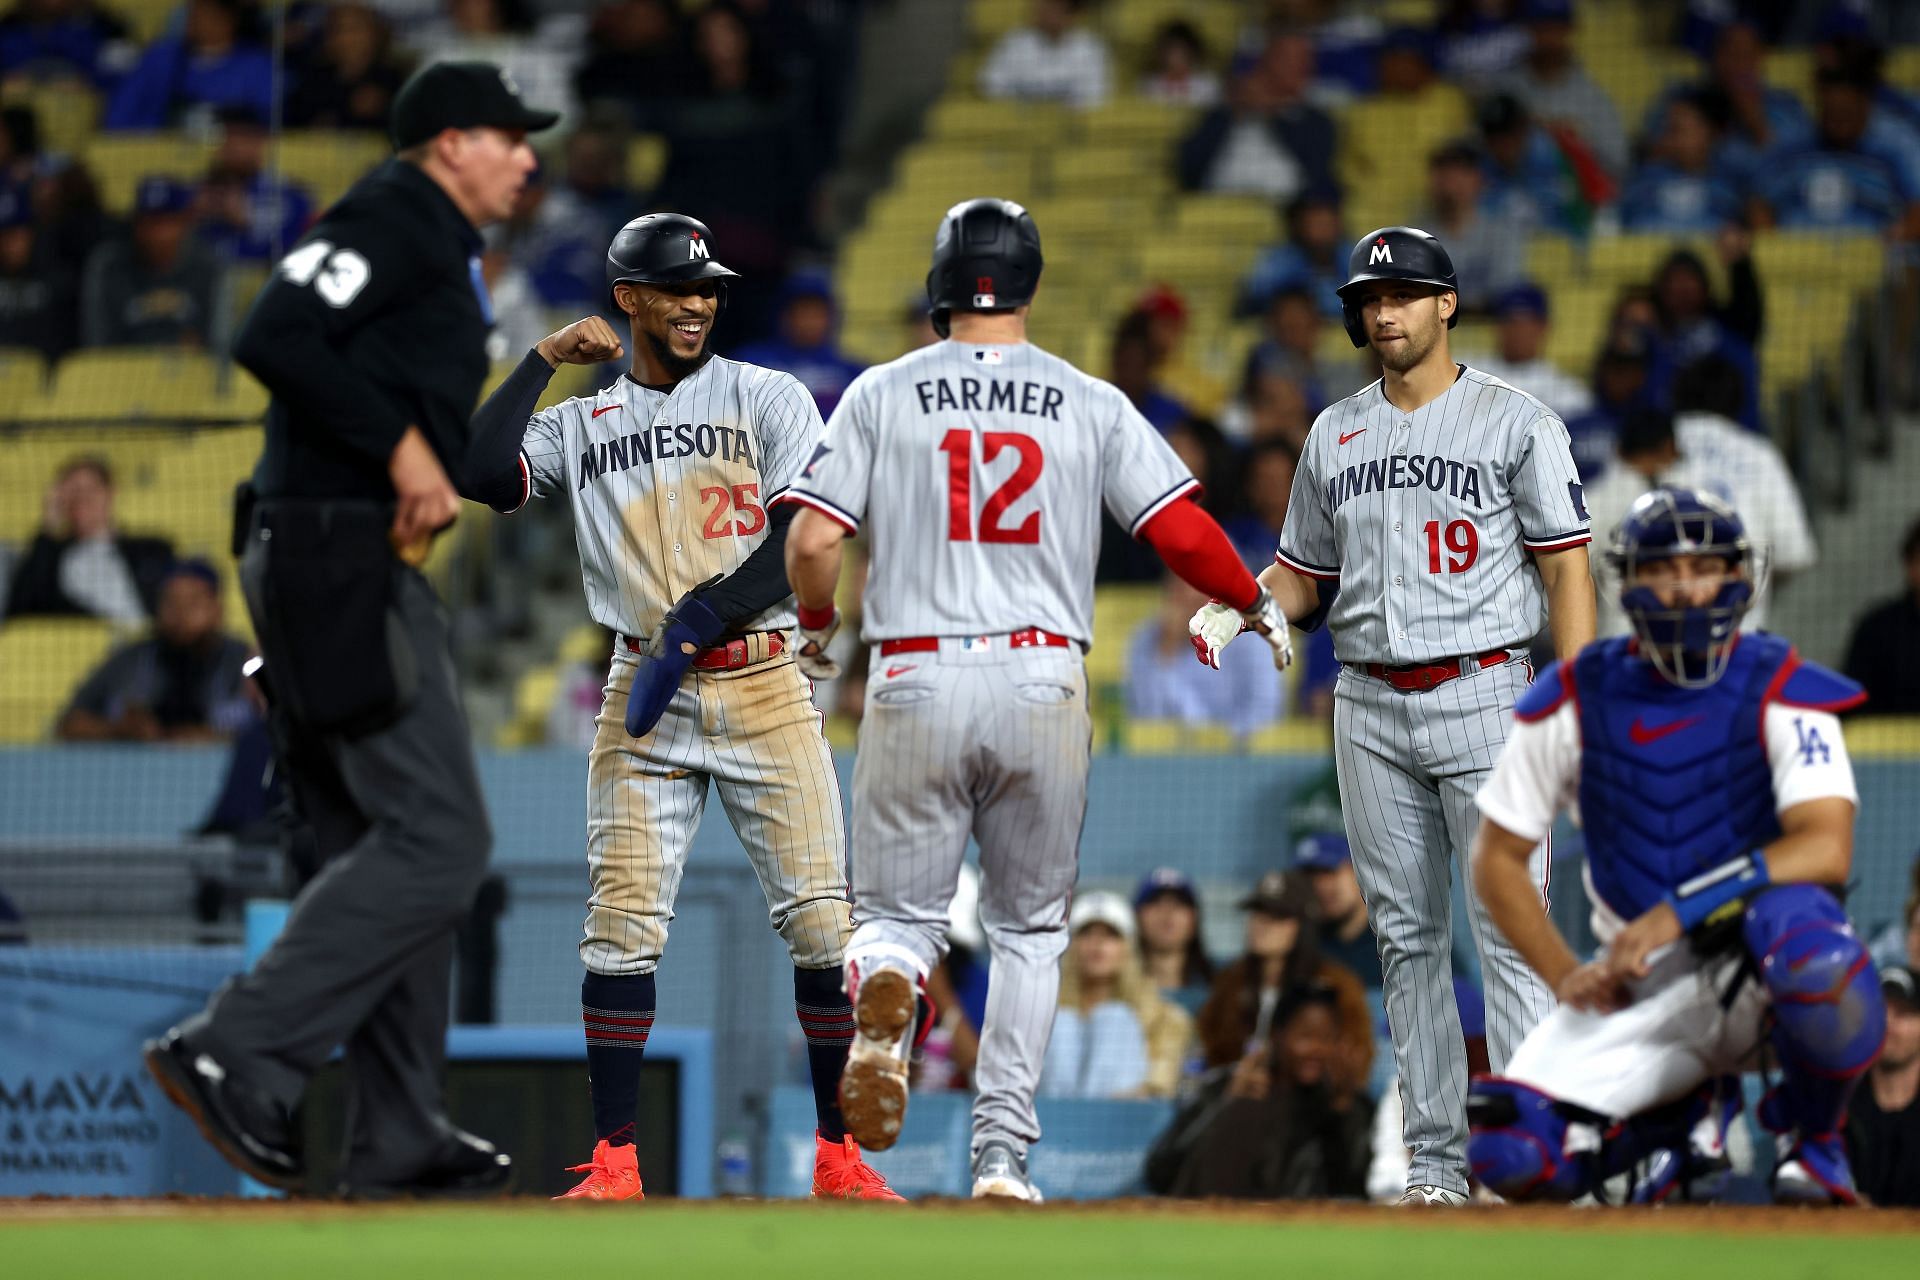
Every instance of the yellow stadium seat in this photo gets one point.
(1136, 122)
(1292, 737)
(1092, 216)
(1633, 77)
(1090, 171)
(585, 643)
(940, 177)
(129, 382)
(42, 662)
(1903, 66)
(1131, 24)
(68, 112)
(1118, 611)
(1386, 141)
(1632, 259)
(23, 377)
(1792, 70)
(1248, 221)
(988, 20)
(1858, 261)
(1871, 737)
(1193, 265)
(1173, 737)
(646, 160)
(325, 162)
(121, 160)
(147, 18)
(994, 122)
(532, 700)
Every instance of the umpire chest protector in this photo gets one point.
(1673, 781)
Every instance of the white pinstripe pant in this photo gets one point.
(1409, 765)
(991, 743)
(752, 733)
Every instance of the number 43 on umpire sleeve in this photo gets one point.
(337, 275)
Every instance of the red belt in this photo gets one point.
(1425, 675)
(1031, 638)
(731, 656)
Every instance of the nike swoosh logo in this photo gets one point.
(1348, 435)
(900, 671)
(1642, 733)
(607, 409)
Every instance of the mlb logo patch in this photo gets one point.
(989, 356)
(975, 644)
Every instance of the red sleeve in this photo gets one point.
(1194, 547)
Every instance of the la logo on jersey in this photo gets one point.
(696, 247)
(1813, 748)
(1382, 252)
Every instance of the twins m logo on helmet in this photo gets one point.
(1382, 252)
(697, 248)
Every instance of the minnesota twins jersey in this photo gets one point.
(670, 488)
(1424, 519)
(978, 473)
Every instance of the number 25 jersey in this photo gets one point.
(977, 473)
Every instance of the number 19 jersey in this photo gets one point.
(977, 472)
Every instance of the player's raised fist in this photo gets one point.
(587, 341)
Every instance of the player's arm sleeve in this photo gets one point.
(497, 470)
(336, 280)
(1808, 757)
(1534, 778)
(1140, 473)
(1193, 545)
(1307, 542)
(1546, 489)
(836, 477)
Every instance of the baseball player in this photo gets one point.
(976, 467)
(1708, 771)
(1435, 522)
(672, 472)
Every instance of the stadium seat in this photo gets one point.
(1131, 24)
(1137, 122)
(68, 112)
(42, 662)
(1103, 170)
(1292, 737)
(120, 160)
(147, 18)
(326, 162)
(128, 382)
(1118, 611)
(532, 699)
(1246, 221)
(1174, 737)
(23, 377)
(1385, 143)
(1792, 70)
(988, 20)
(646, 160)
(1858, 261)
(995, 123)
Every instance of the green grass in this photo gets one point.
(798, 1242)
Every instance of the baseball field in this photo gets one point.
(797, 1241)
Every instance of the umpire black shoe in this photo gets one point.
(464, 1167)
(250, 1131)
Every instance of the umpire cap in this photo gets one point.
(461, 95)
(1393, 253)
(986, 257)
(664, 248)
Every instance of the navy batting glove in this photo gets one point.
(657, 675)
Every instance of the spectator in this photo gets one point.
(638, 60)
(1113, 1037)
(20, 159)
(1268, 139)
(1761, 118)
(1558, 91)
(1488, 248)
(247, 214)
(79, 563)
(37, 292)
(1619, 387)
(563, 243)
(1267, 488)
(1691, 326)
(1132, 372)
(64, 40)
(1345, 936)
(1682, 187)
(182, 684)
(1521, 340)
(1290, 347)
(1313, 258)
(1056, 59)
(1165, 683)
(1886, 640)
(159, 286)
(1411, 106)
(1167, 316)
(349, 79)
(1842, 178)
(1288, 1122)
(1707, 398)
(916, 325)
(218, 59)
(1479, 39)
(502, 32)
(1282, 955)
(1178, 74)
(520, 320)
(1883, 1120)
(1272, 408)
(807, 344)
(1166, 913)
(1528, 182)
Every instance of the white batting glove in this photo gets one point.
(1211, 628)
(1265, 617)
(811, 657)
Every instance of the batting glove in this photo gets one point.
(811, 657)
(1211, 628)
(1265, 617)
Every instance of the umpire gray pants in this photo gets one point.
(1409, 766)
(992, 743)
(365, 959)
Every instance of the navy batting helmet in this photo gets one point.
(664, 248)
(1393, 253)
(986, 257)
(1689, 644)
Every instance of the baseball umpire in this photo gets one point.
(1436, 522)
(370, 337)
(672, 473)
(977, 467)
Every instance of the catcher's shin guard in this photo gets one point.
(1525, 1145)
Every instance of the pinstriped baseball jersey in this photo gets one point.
(977, 472)
(672, 487)
(1424, 519)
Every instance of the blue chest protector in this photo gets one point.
(1673, 781)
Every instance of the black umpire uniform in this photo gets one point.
(374, 323)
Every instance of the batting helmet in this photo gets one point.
(986, 257)
(1687, 643)
(664, 248)
(1393, 253)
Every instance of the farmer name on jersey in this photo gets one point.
(1035, 399)
(1405, 471)
(662, 441)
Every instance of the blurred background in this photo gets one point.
(1691, 227)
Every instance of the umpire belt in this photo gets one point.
(1425, 675)
(729, 655)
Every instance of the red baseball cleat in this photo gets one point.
(613, 1174)
(840, 1174)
